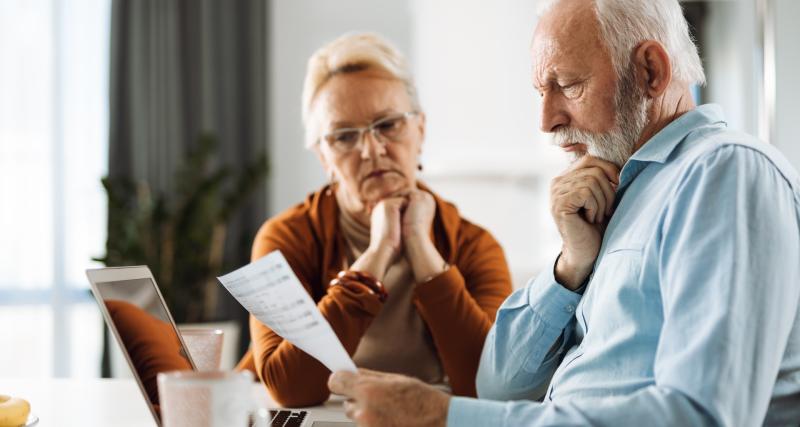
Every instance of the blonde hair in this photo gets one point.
(351, 53)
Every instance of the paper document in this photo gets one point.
(270, 291)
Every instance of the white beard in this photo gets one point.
(616, 145)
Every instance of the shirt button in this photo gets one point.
(569, 309)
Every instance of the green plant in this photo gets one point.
(181, 235)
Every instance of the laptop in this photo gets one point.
(138, 317)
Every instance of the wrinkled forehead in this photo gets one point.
(566, 36)
(351, 99)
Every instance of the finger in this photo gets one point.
(396, 202)
(586, 187)
(414, 197)
(394, 199)
(390, 208)
(609, 169)
(608, 192)
(350, 408)
(401, 194)
(573, 202)
(603, 190)
(370, 374)
(404, 193)
(343, 382)
(589, 203)
(591, 183)
(591, 207)
(567, 204)
(601, 182)
(428, 197)
(420, 194)
(578, 178)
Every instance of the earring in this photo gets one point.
(419, 167)
(328, 192)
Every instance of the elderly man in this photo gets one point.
(674, 300)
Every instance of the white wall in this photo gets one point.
(471, 62)
(787, 111)
(483, 149)
(298, 28)
(732, 62)
(734, 68)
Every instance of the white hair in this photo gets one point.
(351, 53)
(626, 23)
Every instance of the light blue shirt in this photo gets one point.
(691, 314)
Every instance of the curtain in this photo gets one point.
(181, 69)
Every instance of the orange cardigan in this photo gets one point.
(150, 342)
(458, 306)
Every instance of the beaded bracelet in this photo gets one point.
(373, 285)
(358, 288)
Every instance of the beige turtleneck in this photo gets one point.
(458, 306)
(398, 340)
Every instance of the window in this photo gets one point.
(484, 150)
(53, 137)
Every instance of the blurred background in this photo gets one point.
(164, 132)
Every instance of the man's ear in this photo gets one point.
(653, 67)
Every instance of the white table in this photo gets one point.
(109, 402)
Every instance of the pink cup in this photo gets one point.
(205, 399)
(205, 347)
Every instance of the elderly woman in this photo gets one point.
(374, 231)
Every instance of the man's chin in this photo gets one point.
(578, 153)
(617, 161)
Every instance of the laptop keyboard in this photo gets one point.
(281, 418)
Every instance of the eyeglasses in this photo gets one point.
(387, 129)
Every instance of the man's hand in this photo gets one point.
(387, 400)
(582, 200)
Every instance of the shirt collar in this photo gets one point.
(658, 148)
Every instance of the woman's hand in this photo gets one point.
(418, 216)
(402, 224)
(385, 225)
(419, 249)
(386, 237)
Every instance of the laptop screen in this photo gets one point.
(145, 331)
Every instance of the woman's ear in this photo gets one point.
(421, 126)
(653, 68)
(327, 165)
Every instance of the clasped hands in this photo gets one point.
(400, 225)
(582, 202)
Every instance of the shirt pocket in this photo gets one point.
(625, 246)
(620, 264)
(621, 259)
(616, 279)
